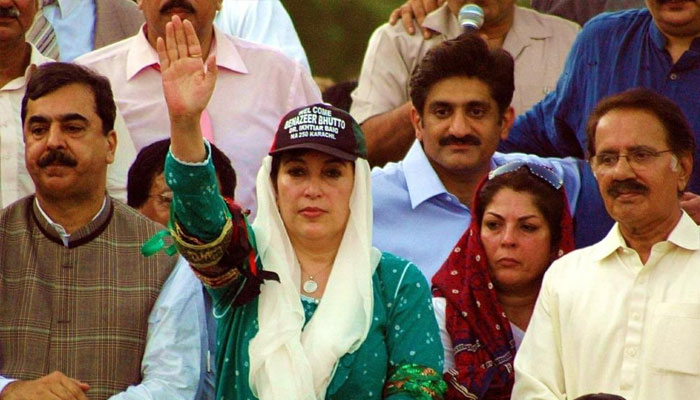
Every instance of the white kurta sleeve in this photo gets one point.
(171, 360)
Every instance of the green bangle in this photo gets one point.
(417, 381)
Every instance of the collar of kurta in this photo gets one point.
(141, 55)
(684, 235)
(83, 235)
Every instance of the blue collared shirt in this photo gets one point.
(74, 24)
(416, 218)
(614, 52)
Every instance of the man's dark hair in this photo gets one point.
(548, 200)
(679, 134)
(466, 55)
(53, 76)
(150, 162)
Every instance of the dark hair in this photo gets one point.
(150, 162)
(53, 76)
(466, 55)
(339, 95)
(548, 200)
(679, 134)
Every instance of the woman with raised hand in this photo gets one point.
(486, 290)
(306, 308)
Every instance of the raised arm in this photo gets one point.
(211, 233)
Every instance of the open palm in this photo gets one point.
(187, 85)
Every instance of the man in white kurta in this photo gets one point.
(623, 316)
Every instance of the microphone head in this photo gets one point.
(471, 17)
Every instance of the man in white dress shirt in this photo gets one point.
(623, 316)
(256, 86)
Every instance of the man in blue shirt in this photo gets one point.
(461, 94)
(657, 48)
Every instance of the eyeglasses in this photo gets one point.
(164, 198)
(637, 158)
(543, 172)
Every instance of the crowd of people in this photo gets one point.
(506, 213)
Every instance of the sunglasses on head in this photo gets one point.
(543, 172)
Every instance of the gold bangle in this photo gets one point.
(202, 255)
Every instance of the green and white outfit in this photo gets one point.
(373, 334)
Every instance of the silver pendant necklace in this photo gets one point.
(310, 285)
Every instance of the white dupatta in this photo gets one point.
(286, 362)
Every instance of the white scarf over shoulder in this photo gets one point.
(286, 362)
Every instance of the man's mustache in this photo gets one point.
(183, 4)
(627, 186)
(9, 12)
(468, 139)
(57, 157)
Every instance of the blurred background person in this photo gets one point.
(265, 22)
(146, 188)
(581, 11)
(19, 58)
(66, 29)
(486, 290)
(148, 193)
(537, 42)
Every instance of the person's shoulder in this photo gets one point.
(259, 52)
(396, 273)
(610, 22)
(390, 172)
(388, 182)
(396, 36)
(556, 24)
(105, 56)
(575, 264)
(18, 209)
(133, 220)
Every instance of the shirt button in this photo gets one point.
(635, 316)
(448, 198)
(673, 76)
(632, 352)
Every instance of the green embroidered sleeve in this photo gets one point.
(197, 205)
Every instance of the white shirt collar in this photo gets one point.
(684, 235)
(65, 236)
(141, 55)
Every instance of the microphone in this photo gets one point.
(471, 17)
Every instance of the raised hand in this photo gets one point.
(187, 86)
